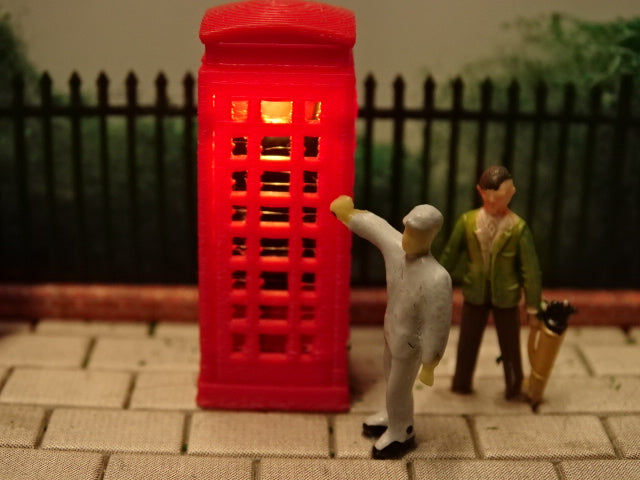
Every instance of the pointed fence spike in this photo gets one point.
(429, 83)
(102, 80)
(161, 89)
(370, 81)
(161, 80)
(188, 80)
(103, 88)
(75, 84)
(45, 78)
(75, 80)
(188, 84)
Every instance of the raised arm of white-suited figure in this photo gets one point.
(366, 225)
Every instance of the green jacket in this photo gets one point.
(513, 265)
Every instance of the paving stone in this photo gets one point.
(597, 395)
(540, 436)
(30, 464)
(93, 328)
(595, 336)
(264, 434)
(43, 350)
(81, 388)
(488, 398)
(115, 431)
(177, 467)
(483, 470)
(600, 470)
(11, 326)
(626, 434)
(145, 354)
(178, 330)
(613, 360)
(165, 390)
(437, 436)
(20, 426)
(285, 468)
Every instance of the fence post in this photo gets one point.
(428, 108)
(536, 141)
(618, 225)
(131, 84)
(49, 171)
(580, 253)
(486, 96)
(367, 114)
(397, 158)
(557, 201)
(363, 250)
(22, 171)
(513, 105)
(78, 183)
(162, 103)
(188, 115)
(454, 141)
(102, 84)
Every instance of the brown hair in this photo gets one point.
(493, 177)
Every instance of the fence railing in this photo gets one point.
(91, 191)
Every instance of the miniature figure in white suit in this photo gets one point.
(417, 319)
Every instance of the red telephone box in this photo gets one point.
(276, 119)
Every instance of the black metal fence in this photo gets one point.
(91, 191)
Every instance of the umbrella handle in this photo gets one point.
(534, 335)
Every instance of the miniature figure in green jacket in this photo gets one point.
(494, 248)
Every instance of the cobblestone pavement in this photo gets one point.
(114, 401)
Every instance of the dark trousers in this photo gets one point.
(472, 324)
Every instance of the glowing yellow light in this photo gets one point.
(239, 110)
(276, 112)
(312, 111)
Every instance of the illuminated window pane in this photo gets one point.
(276, 148)
(308, 247)
(275, 181)
(239, 181)
(312, 111)
(239, 110)
(239, 246)
(273, 343)
(310, 182)
(239, 280)
(274, 280)
(239, 213)
(274, 312)
(307, 312)
(238, 312)
(238, 342)
(308, 281)
(276, 112)
(309, 214)
(274, 214)
(274, 247)
(306, 344)
(239, 146)
(311, 146)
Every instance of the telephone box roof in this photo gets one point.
(279, 21)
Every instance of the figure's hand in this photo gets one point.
(343, 208)
(427, 372)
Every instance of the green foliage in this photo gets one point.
(13, 61)
(558, 48)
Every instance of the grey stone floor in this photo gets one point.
(99, 400)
